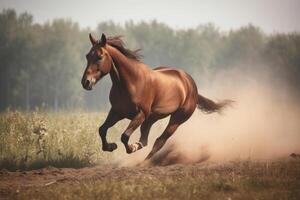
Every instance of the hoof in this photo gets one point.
(134, 147)
(110, 147)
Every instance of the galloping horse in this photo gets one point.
(141, 94)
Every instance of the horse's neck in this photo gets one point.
(123, 69)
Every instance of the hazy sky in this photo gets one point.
(270, 15)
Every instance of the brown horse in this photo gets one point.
(141, 94)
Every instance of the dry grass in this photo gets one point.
(38, 139)
(235, 180)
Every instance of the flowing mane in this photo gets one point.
(118, 43)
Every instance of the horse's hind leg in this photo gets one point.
(145, 129)
(176, 120)
(111, 120)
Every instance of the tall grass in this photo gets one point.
(30, 140)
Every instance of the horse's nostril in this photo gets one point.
(87, 83)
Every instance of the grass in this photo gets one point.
(203, 181)
(37, 139)
(31, 140)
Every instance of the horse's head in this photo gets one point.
(99, 63)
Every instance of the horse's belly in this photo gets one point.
(166, 104)
(164, 109)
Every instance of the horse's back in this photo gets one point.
(161, 68)
(170, 72)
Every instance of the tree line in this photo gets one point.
(41, 64)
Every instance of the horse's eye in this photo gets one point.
(99, 58)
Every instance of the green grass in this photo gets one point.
(37, 139)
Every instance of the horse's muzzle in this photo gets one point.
(87, 85)
(88, 82)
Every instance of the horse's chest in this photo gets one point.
(122, 103)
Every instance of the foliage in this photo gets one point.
(42, 64)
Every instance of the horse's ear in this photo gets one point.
(92, 39)
(103, 39)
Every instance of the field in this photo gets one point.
(45, 155)
(37, 139)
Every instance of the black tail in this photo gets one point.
(209, 106)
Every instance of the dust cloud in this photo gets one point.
(263, 124)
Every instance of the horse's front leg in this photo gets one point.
(134, 124)
(111, 120)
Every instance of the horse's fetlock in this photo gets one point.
(144, 143)
(124, 138)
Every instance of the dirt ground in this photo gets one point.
(231, 180)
